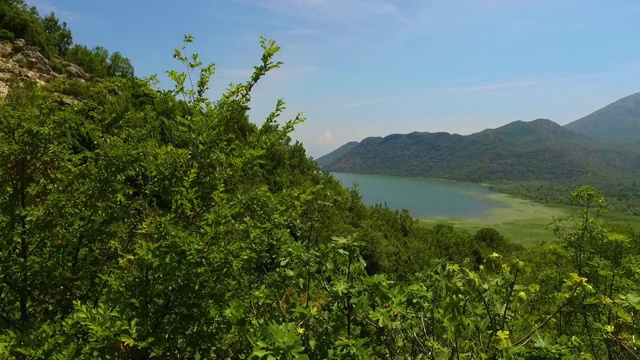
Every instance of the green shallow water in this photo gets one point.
(424, 198)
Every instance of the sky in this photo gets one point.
(360, 68)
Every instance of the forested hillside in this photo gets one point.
(538, 160)
(618, 122)
(336, 154)
(141, 223)
(536, 150)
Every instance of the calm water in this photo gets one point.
(422, 197)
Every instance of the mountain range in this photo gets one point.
(600, 145)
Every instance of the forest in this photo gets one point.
(145, 223)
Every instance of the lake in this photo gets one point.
(423, 198)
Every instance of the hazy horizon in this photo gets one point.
(450, 132)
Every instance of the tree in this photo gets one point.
(120, 66)
(59, 35)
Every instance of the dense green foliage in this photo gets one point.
(618, 122)
(622, 196)
(147, 224)
(55, 40)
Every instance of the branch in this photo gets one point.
(486, 306)
(526, 337)
(636, 356)
(506, 307)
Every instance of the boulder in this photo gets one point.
(19, 45)
(66, 101)
(75, 72)
(33, 60)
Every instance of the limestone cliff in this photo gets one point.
(18, 60)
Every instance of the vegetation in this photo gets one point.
(526, 222)
(336, 154)
(55, 41)
(141, 223)
(623, 194)
(520, 221)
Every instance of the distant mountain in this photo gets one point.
(336, 154)
(616, 123)
(536, 150)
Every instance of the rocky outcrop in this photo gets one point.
(72, 70)
(21, 61)
(75, 72)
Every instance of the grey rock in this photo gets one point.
(19, 45)
(76, 72)
(33, 60)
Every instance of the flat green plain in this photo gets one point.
(521, 221)
(524, 222)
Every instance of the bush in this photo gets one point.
(57, 67)
(6, 35)
(70, 87)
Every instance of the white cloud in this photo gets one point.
(499, 86)
(507, 85)
(374, 100)
(450, 91)
(631, 67)
(494, 21)
(328, 139)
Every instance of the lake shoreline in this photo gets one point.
(520, 220)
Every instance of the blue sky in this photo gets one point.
(358, 68)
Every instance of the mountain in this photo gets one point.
(336, 154)
(535, 150)
(616, 123)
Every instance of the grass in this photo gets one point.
(624, 221)
(520, 221)
(523, 221)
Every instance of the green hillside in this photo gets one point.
(618, 122)
(536, 150)
(336, 154)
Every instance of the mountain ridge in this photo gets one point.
(602, 143)
(336, 154)
(535, 150)
(618, 122)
